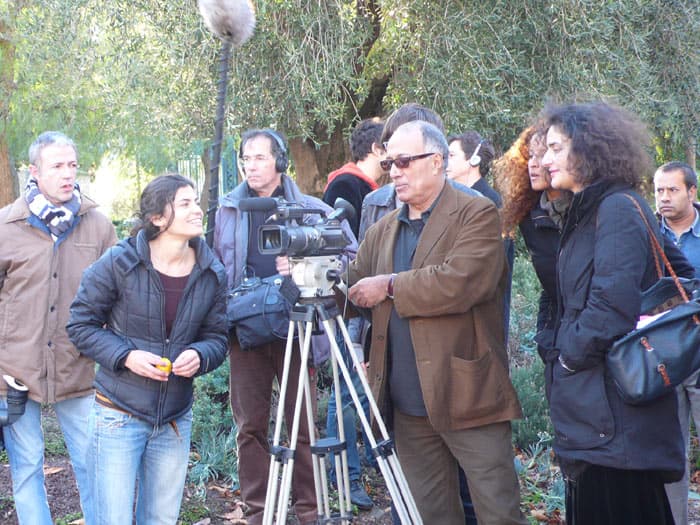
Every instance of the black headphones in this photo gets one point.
(282, 159)
(475, 159)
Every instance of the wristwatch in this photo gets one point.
(390, 287)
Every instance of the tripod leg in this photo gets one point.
(341, 460)
(276, 459)
(386, 457)
(288, 468)
(319, 472)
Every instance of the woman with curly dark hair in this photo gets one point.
(615, 457)
(531, 204)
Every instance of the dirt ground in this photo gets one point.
(223, 506)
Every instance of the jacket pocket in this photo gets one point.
(581, 413)
(475, 391)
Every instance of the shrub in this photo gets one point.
(528, 381)
(213, 430)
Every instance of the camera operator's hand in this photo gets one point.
(282, 265)
(369, 291)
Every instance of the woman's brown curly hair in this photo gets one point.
(513, 182)
(608, 143)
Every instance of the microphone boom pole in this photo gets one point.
(215, 159)
(232, 21)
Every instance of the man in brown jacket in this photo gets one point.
(433, 272)
(48, 237)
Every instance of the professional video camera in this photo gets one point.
(295, 239)
(313, 249)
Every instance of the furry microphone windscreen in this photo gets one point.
(231, 20)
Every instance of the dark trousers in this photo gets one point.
(252, 375)
(609, 496)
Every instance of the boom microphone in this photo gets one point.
(258, 204)
(230, 20)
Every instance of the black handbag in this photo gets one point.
(258, 310)
(652, 360)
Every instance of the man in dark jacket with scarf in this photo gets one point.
(264, 156)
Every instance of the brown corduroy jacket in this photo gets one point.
(453, 298)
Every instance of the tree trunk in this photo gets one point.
(8, 182)
(313, 164)
(8, 178)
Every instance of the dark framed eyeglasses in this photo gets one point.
(403, 161)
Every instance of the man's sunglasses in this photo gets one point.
(402, 161)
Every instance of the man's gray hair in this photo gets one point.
(433, 139)
(48, 138)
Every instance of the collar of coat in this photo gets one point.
(136, 251)
(450, 203)
(19, 210)
(292, 193)
(587, 200)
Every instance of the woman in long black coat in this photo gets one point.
(616, 457)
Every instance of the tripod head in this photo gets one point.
(315, 276)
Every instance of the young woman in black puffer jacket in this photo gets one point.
(151, 313)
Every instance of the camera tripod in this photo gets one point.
(315, 277)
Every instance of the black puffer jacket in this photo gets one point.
(120, 307)
(605, 262)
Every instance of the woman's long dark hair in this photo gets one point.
(156, 198)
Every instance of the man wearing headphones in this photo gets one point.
(470, 161)
(264, 157)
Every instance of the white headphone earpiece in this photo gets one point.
(475, 159)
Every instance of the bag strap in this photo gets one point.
(658, 251)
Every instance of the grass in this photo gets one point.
(68, 519)
(54, 445)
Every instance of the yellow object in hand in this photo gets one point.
(166, 365)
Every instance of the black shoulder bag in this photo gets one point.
(258, 309)
(653, 359)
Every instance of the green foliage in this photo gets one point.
(215, 458)
(526, 367)
(139, 78)
(69, 518)
(528, 381)
(192, 511)
(6, 503)
(123, 227)
(213, 430)
(542, 485)
(54, 445)
(525, 294)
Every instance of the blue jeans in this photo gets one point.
(24, 440)
(349, 415)
(124, 449)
